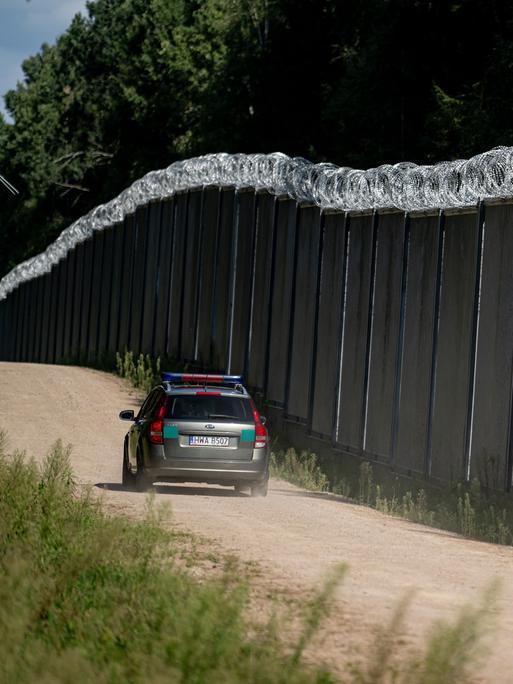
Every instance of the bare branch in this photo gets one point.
(68, 158)
(72, 186)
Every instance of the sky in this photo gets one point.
(24, 27)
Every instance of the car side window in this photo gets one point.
(146, 409)
(155, 402)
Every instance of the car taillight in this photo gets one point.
(260, 431)
(260, 436)
(157, 425)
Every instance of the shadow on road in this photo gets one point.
(420, 528)
(325, 496)
(176, 490)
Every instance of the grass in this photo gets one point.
(300, 469)
(142, 372)
(451, 651)
(85, 596)
(89, 597)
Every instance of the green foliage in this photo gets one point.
(135, 85)
(317, 610)
(452, 650)
(366, 483)
(85, 596)
(144, 373)
(301, 469)
(89, 597)
(342, 487)
(129, 88)
(452, 646)
(445, 121)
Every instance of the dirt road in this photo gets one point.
(295, 536)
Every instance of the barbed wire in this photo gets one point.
(404, 186)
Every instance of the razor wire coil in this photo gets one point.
(404, 186)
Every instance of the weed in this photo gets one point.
(381, 665)
(366, 484)
(300, 469)
(317, 610)
(466, 516)
(342, 487)
(143, 372)
(452, 651)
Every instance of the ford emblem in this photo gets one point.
(209, 426)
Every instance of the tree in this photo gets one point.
(138, 84)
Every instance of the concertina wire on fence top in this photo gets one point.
(404, 186)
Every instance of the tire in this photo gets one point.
(143, 481)
(260, 488)
(127, 477)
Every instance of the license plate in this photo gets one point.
(208, 440)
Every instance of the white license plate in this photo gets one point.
(208, 440)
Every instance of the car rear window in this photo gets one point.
(198, 407)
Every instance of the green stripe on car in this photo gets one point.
(247, 436)
(170, 432)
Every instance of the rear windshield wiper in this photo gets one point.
(221, 415)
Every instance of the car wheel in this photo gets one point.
(127, 477)
(143, 481)
(260, 488)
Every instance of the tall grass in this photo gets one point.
(143, 372)
(300, 469)
(453, 650)
(86, 597)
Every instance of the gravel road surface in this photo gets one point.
(294, 536)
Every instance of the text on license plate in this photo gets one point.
(208, 440)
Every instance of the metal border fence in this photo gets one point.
(384, 334)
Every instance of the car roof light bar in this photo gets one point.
(201, 379)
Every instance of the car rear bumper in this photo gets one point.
(215, 472)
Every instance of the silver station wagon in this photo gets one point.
(197, 428)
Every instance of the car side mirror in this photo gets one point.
(127, 415)
(263, 420)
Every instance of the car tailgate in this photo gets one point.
(216, 440)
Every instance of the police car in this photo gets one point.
(197, 428)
